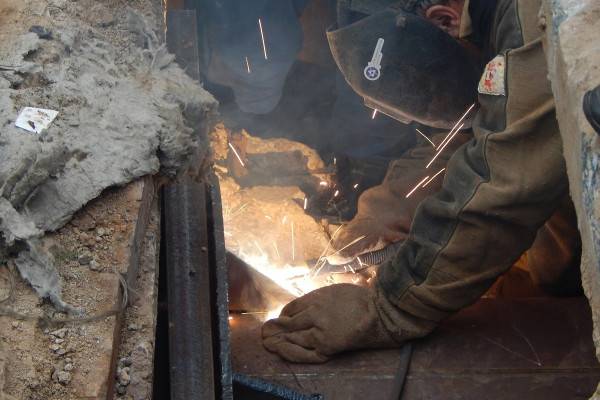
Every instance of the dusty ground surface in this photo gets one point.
(72, 361)
(125, 110)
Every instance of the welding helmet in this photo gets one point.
(406, 67)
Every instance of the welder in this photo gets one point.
(504, 189)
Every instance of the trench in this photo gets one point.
(208, 341)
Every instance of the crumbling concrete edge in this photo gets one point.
(573, 55)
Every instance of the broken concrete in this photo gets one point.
(125, 111)
(573, 54)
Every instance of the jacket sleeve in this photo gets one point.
(499, 189)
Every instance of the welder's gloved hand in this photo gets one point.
(325, 322)
(384, 212)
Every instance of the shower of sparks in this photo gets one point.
(433, 177)
(456, 125)
(237, 155)
(305, 202)
(337, 192)
(262, 37)
(355, 186)
(416, 187)
(293, 243)
(248, 65)
(443, 147)
(374, 114)
(422, 134)
(323, 183)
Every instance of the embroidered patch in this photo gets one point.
(492, 80)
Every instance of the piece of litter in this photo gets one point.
(35, 119)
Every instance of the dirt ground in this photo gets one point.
(72, 360)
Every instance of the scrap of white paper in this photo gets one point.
(35, 119)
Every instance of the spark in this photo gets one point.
(268, 217)
(351, 269)
(230, 318)
(258, 247)
(321, 257)
(276, 250)
(355, 186)
(305, 202)
(416, 187)
(293, 243)
(334, 161)
(374, 114)
(337, 192)
(359, 261)
(422, 134)
(237, 155)
(350, 244)
(355, 280)
(262, 37)
(283, 220)
(323, 183)
(457, 123)
(433, 177)
(443, 147)
(248, 65)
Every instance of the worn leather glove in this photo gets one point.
(384, 213)
(327, 321)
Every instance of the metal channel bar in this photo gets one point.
(192, 374)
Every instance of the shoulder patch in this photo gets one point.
(492, 81)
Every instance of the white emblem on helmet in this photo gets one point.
(373, 69)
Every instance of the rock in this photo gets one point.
(101, 232)
(59, 341)
(68, 367)
(125, 362)
(63, 377)
(54, 347)
(60, 333)
(94, 266)
(14, 324)
(121, 390)
(84, 259)
(85, 222)
(61, 352)
(123, 376)
(133, 327)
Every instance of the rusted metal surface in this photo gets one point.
(191, 333)
(182, 40)
(496, 349)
